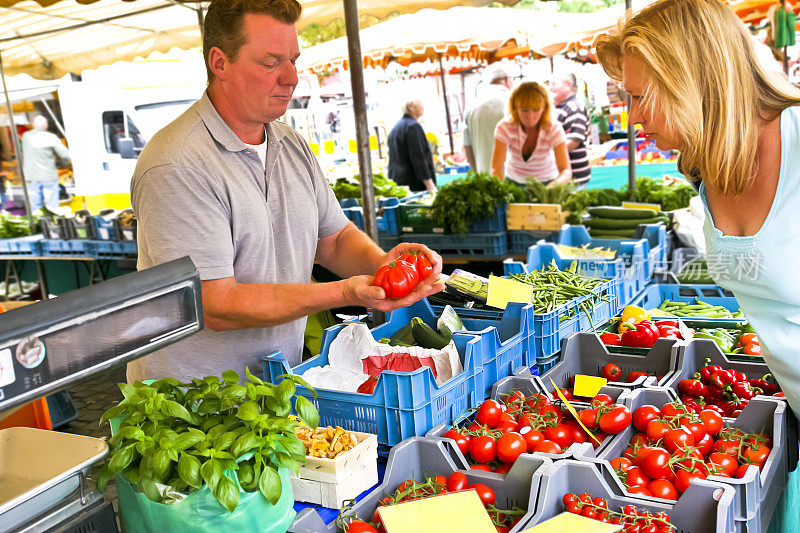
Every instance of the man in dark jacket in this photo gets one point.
(410, 157)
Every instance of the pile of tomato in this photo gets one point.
(675, 446)
(411, 490)
(503, 431)
(724, 390)
(613, 372)
(633, 520)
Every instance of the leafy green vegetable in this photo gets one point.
(12, 226)
(539, 193)
(476, 196)
(186, 434)
(383, 186)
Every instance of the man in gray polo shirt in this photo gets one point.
(243, 196)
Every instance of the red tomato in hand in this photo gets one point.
(420, 262)
(397, 279)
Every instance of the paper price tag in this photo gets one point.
(588, 386)
(573, 412)
(457, 511)
(572, 523)
(502, 291)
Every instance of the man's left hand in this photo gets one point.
(433, 258)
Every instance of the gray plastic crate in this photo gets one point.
(584, 353)
(706, 505)
(761, 414)
(695, 353)
(419, 458)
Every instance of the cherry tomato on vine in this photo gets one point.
(661, 488)
(457, 481)
(486, 494)
(510, 446)
(617, 420)
(612, 372)
(643, 415)
(483, 448)
(489, 413)
(357, 526)
(462, 441)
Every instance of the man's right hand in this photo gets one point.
(359, 290)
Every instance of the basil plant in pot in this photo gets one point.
(206, 454)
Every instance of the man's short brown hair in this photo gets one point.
(222, 26)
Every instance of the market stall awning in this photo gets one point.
(754, 11)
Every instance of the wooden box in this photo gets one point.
(329, 482)
(535, 217)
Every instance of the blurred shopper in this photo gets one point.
(529, 142)
(42, 154)
(410, 156)
(482, 120)
(575, 120)
(697, 86)
(242, 195)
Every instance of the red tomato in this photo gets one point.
(557, 412)
(643, 415)
(532, 437)
(636, 374)
(711, 420)
(683, 478)
(462, 441)
(661, 488)
(485, 468)
(656, 464)
(547, 446)
(397, 279)
(617, 420)
(621, 463)
(612, 372)
(602, 399)
(730, 447)
(640, 490)
(637, 477)
(536, 402)
(588, 418)
(678, 438)
(526, 420)
(705, 445)
(697, 429)
(502, 469)
(457, 481)
(420, 262)
(723, 462)
(490, 413)
(357, 526)
(486, 494)
(757, 455)
(742, 470)
(561, 435)
(507, 426)
(510, 446)
(483, 449)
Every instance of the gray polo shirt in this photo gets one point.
(198, 190)
(42, 151)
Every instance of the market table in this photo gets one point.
(97, 269)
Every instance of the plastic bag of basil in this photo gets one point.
(207, 456)
(607, 222)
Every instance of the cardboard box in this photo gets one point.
(535, 217)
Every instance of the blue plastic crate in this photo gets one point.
(491, 245)
(501, 349)
(520, 241)
(102, 229)
(654, 234)
(656, 293)
(543, 365)
(387, 242)
(404, 404)
(70, 248)
(496, 222)
(110, 249)
(388, 219)
(629, 267)
(31, 245)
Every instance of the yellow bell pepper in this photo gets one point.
(631, 315)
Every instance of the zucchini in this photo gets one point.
(403, 337)
(612, 233)
(621, 223)
(425, 336)
(621, 212)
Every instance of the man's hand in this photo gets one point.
(359, 290)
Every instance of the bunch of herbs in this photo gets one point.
(474, 197)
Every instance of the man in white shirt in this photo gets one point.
(482, 120)
(42, 153)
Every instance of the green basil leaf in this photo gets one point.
(150, 490)
(115, 412)
(251, 377)
(246, 474)
(188, 439)
(209, 405)
(300, 381)
(292, 444)
(189, 470)
(244, 443)
(173, 455)
(238, 392)
(286, 461)
(211, 472)
(210, 422)
(270, 484)
(104, 476)
(215, 432)
(128, 391)
(175, 409)
(211, 380)
(216, 454)
(161, 462)
(227, 493)
(230, 376)
(281, 409)
(307, 412)
(286, 390)
(267, 389)
(122, 459)
(248, 411)
(228, 464)
(224, 441)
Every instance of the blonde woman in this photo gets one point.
(529, 142)
(697, 86)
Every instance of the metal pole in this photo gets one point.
(360, 112)
(631, 140)
(786, 60)
(446, 105)
(17, 150)
(200, 21)
(53, 116)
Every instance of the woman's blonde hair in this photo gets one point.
(530, 95)
(703, 72)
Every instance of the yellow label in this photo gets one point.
(588, 386)
(457, 511)
(573, 412)
(502, 291)
(314, 148)
(329, 146)
(573, 523)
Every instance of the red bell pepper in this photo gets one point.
(643, 334)
(706, 371)
(743, 390)
(720, 378)
(766, 387)
(671, 323)
(693, 387)
(611, 339)
(368, 387)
